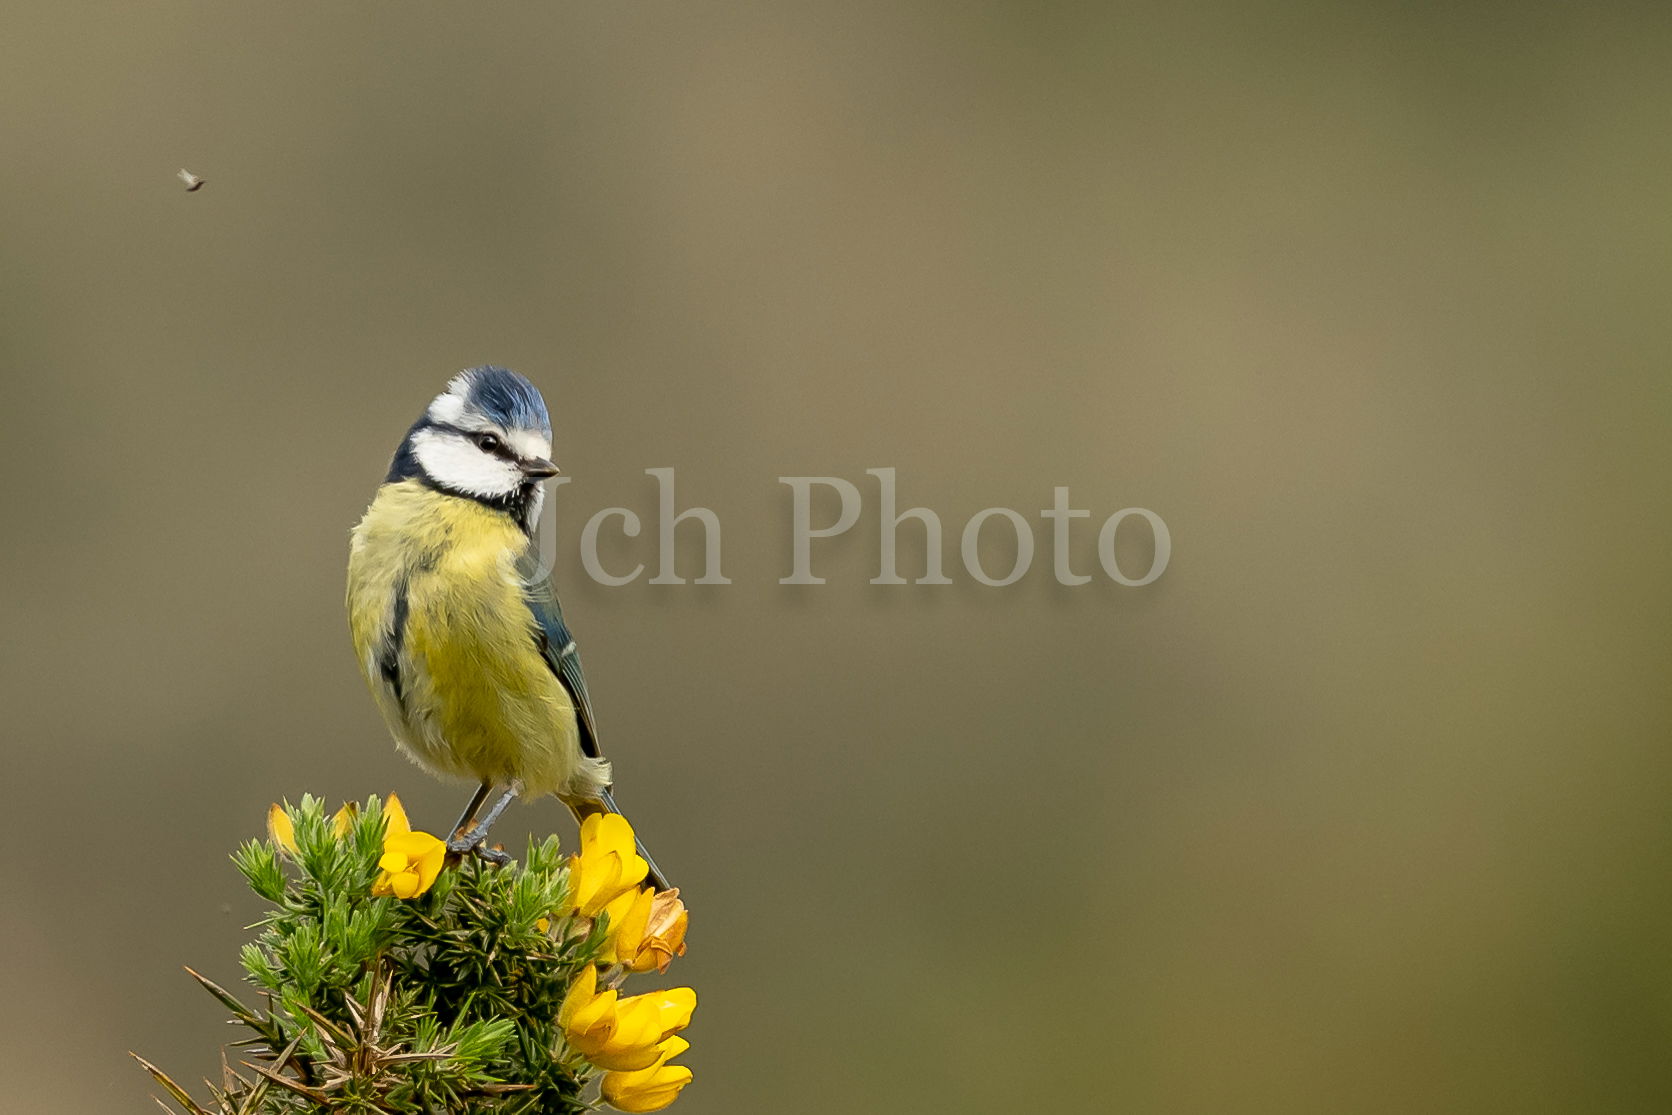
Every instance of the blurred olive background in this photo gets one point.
(1361, 807)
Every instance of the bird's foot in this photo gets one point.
(473, 842)
(471, 837)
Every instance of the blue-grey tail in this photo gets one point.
(606, 804)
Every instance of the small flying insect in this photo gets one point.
(192, 181)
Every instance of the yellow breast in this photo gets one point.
(448, 645)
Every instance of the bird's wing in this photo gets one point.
(557, 645)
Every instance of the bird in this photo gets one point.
(192, 181)
(455, 622)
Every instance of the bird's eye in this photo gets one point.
(489, 443)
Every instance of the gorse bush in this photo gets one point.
(392, 978)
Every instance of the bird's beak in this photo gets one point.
(538, 469)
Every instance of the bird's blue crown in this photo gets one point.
(504, 396)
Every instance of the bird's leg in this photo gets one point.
(475, 840)
(505, 799)
(468, 817)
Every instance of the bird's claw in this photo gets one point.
(468, 842)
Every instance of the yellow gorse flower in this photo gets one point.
(647, 930)
(411, 860)
(629, 913)
(394, 815)
(664, 934)
(279, 829)
(608, 865)
(622, 1035)
(649, 1089)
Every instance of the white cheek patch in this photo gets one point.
(456, 463)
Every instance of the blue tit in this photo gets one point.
(456, 627)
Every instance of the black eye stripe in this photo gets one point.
(493, 443)
(477, 437)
